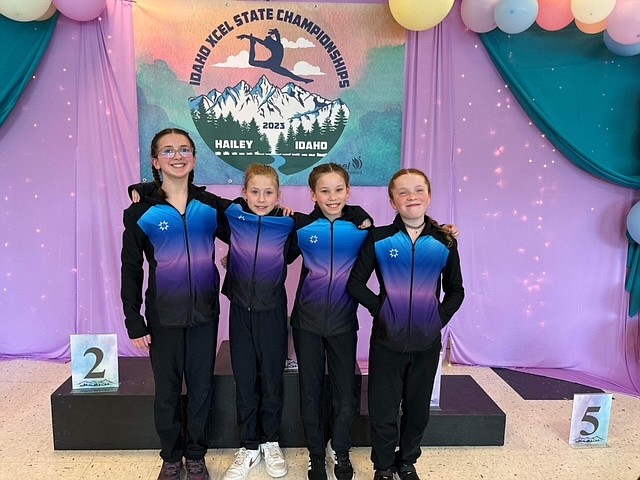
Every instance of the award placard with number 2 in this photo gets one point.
(94, 362)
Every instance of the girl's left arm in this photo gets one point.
(360, 274)
(452, 284)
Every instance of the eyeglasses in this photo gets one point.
(185, 152)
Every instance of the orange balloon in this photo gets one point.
(591, 28)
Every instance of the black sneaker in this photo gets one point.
(171, 471)
(197, 470)
(407, 472)
(343, 470)
(317, 467)
(383, 474)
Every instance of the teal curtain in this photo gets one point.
(23, 46)
(585, 99)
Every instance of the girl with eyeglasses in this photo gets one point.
(174, 228)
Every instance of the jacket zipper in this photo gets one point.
(326, 308)
(186, 236)
(252, 286)
(413, 256)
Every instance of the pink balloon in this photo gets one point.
(80, 10)
(478, 15)
(554, 14)
(623, 25)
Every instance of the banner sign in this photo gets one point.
(287, 84)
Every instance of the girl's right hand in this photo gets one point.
(135, 196)
(142, 342)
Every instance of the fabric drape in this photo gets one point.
(23, 45)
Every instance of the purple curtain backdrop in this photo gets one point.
(543, 243)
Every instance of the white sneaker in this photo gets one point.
(245, 461)
(274, 461)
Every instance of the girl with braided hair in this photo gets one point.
(174, 228)
(414, 259)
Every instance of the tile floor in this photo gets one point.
(536, 445)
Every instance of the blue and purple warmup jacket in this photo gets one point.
(257, 263)
(184, 283)
(329, 249)
(407, 313)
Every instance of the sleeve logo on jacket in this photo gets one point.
(163, 225)
(393, 252)
(241, 217)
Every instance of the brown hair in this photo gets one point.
(415, 171)
(256, 169)
(408, 171)
(325, 168)
(157, 179)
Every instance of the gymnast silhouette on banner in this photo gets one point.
(272, 43)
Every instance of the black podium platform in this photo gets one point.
(123, 419)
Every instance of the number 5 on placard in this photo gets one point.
(590, 419)
(94, 362)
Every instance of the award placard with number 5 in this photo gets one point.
(94, 362)
(590, 420)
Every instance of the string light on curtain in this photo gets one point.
(617, 20)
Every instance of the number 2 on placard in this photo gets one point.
(99, 354)
(590, 419)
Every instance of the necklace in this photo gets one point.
(415, 227)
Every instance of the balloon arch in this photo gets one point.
(618, 20)
(41, 10)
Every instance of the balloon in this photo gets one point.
(591, 28)
(48, 14)
(515, 16)
(633, 222)
(80, 10)
(554, 14)
(419, 15)
(478, 15)
(24, 11)
(592, 11)
(620, 49)
(624, 22)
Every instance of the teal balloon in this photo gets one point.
(633, 222)
(620, 48)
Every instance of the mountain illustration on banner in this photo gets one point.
(289, 127)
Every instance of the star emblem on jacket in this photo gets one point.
(393, 252)
(164, 225)
(313, 239)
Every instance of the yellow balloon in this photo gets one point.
(591, 11)
(48, 14)
(23, 10)
(420, 15)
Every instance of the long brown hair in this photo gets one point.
(325, 168)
